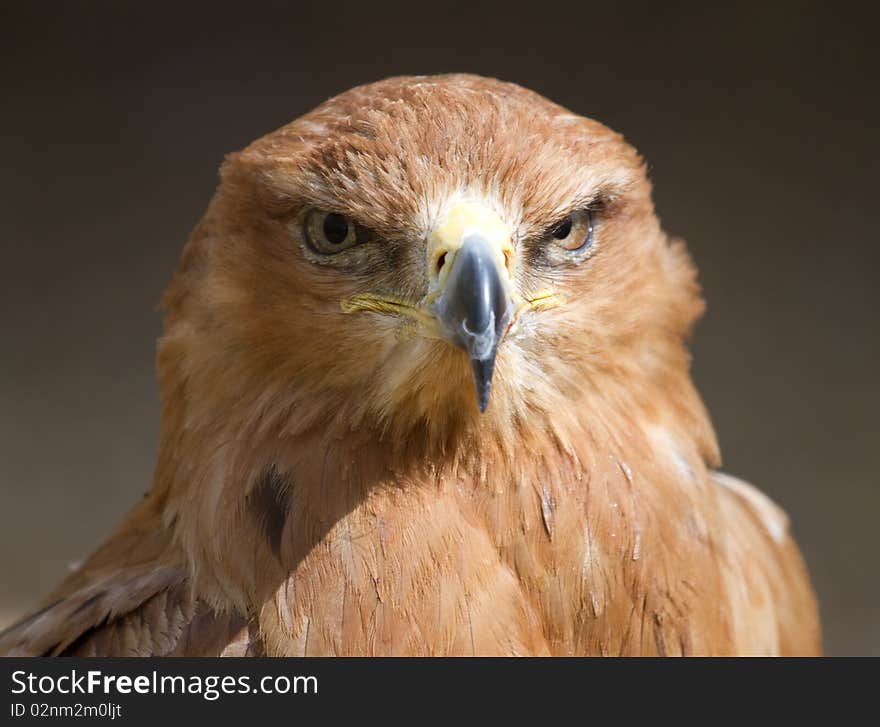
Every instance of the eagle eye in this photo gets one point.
(329, 232)
(574, 232)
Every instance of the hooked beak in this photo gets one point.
(469, 254)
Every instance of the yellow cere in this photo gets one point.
(464, 218)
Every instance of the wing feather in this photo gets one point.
(133, 597)
(774, 602)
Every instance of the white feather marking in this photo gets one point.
(313, 127)
(771, 515)
(668, 446)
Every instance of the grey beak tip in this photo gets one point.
(483, 370)
(483, 400)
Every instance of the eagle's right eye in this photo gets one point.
(329, 232)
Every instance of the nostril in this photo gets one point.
(441, 261)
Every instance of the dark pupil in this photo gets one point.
(563, 229)
(335, 228)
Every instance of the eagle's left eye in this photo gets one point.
(329, 232)
(574, 232)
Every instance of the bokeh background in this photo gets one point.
(760, 125)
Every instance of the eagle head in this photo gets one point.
(427, 254)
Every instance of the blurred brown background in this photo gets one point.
(760, 125)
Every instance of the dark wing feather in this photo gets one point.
(131, 598)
